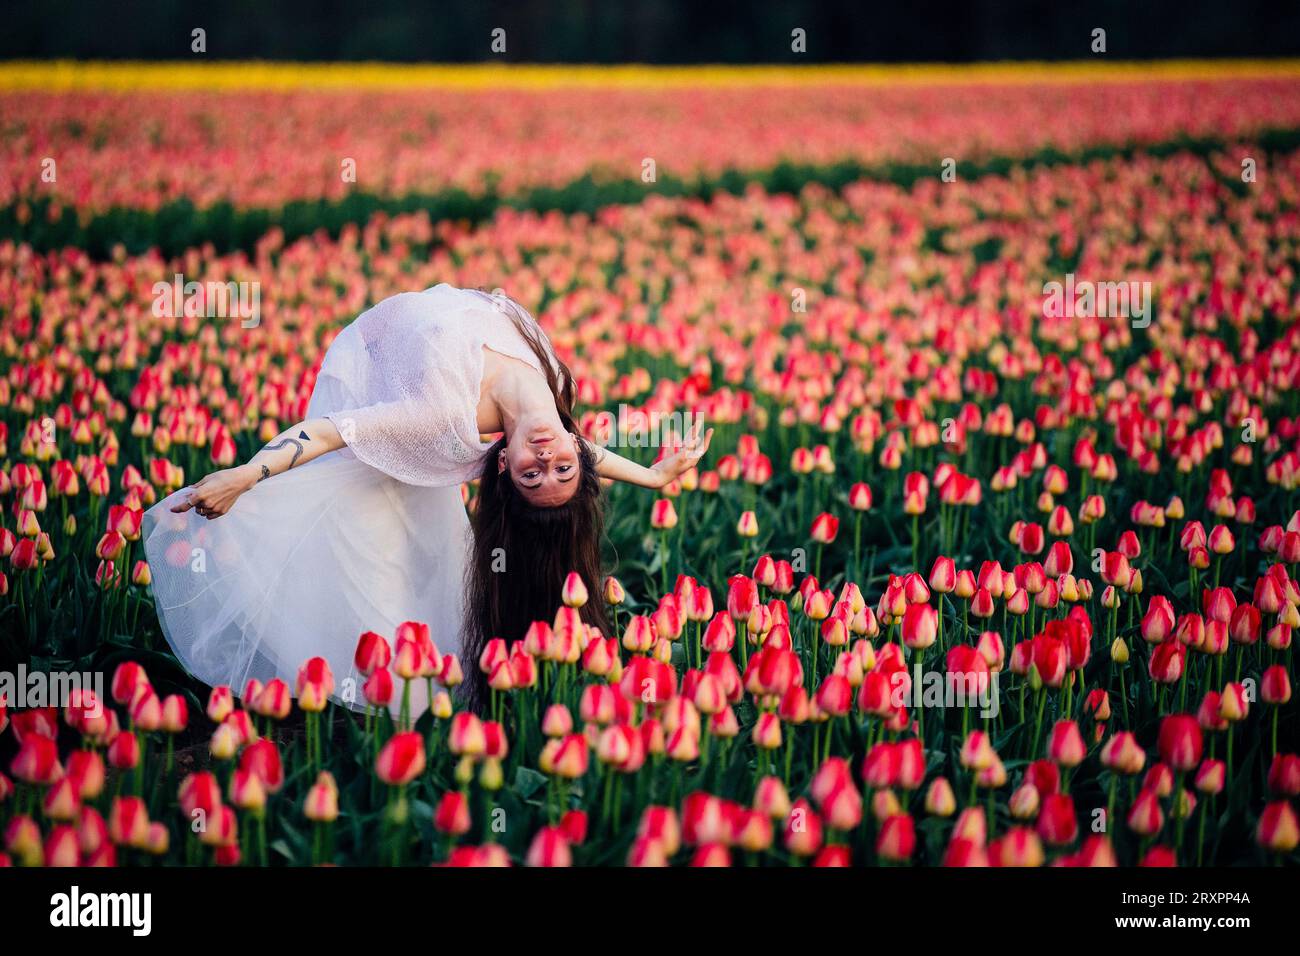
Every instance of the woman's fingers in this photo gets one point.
(693, 436)
(207, 497)
(199, 503)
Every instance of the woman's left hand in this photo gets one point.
(685, 458)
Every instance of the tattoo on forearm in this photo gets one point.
(295, 442)
(297, 446)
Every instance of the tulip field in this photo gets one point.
(965, 579)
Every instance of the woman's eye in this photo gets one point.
(564, 469)
(530, 474)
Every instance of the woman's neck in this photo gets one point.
(520, 395)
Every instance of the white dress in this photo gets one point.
(359, 539)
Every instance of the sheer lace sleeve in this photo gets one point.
(401, 384)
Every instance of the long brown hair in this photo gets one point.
(521, 553)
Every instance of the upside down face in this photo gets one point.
(544, 464)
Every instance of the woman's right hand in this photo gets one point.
(215, 494)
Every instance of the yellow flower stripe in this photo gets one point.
(58, 75)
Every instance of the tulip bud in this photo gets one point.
(1278, 830)
(574, 591)
(614, 593)
(825, 527)
(940, 801)
(663, 515)
(452, 814)
(1066, 746)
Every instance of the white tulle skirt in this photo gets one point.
(301, 566)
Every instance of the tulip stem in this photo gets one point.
(605, 798)
(1179, 810)
(816, 638)
(920, 711)
(1200, 829)
(663, 558)
(1038, 723)
(1110, 800)
(939, 629)
(916, 542)
(1231, 727)
(857, 547)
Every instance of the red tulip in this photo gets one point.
(1167, 662)
(128, 822)
(220, 703)
(127, 679)
(1278, 830)
(550, 848)
(373, 653)
(663, 516)
(274, 700)
(452, 814)
(825, 527)
(920, 626)
(1066, 746)
(1057, 824)
(574, 591)
(574, 826)
(965, 853)
(1284, 775)
(803, 830)
(1145, 817)
(379, 688)
(1180, 741)
(175, 714)
(1275, 686)
(896, 840)
(565, 757)
(465, 737)
(860, 497)
(262, 757)
(37, 761)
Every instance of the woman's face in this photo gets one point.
(544, 464)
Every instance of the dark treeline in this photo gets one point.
(647, 31)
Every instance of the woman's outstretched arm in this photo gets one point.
(213, 495)
(616, 467)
